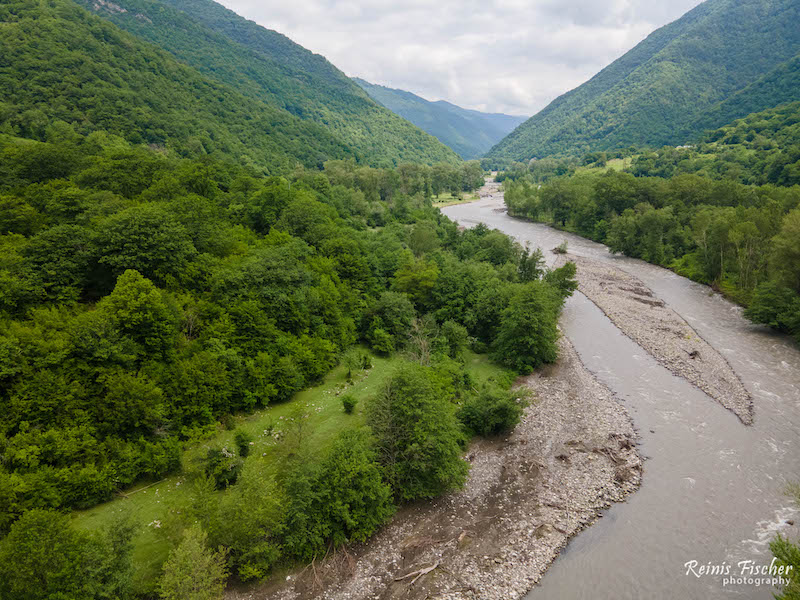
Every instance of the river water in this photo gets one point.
(713, 490)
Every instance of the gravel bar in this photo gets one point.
(662, 332)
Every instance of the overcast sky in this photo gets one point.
(511, 56)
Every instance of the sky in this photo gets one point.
(511, 56)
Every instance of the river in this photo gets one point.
(713, 489)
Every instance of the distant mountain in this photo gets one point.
(469, 132)
(64, 68)
(669, 87)
(268, 66)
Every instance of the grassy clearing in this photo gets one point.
(448, 199)
(319, 411)
(615, 164)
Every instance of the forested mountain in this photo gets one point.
(65, 72)
(677, 76)
(761, 148)
(469, 132)
(269, 67)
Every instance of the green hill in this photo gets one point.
(469, 132)
(268, 66)
(64, 69)
(676, 76)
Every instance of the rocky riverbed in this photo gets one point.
(572, 455)
(648, 321)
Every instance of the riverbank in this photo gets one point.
(528, 493)
(649, 322)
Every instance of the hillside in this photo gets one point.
(761, 148)
(678, 74)
(268, 66)
(469, 132)
(65, 71)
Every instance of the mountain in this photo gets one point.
(469, 132)
(267, 66)
(677, 76)
(62, 67)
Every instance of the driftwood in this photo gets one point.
(417, 574)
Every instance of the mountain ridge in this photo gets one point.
(673, 76)
(468, 132)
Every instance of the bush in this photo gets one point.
(349, 403)
(529, 328)
(344, 499)
(193, 571)
(243, 441)
(418, 435)
(222, 466)
(491, 411)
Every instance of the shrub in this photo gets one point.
(343, 499)
(243, 441)
(491, 411)
(349, 403)
(193, 571)
(222, 466)
(417, 433)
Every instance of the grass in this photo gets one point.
(318, 409)
(448, 199)
(616, 164)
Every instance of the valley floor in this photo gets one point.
(572, 455)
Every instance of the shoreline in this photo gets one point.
(529, 492)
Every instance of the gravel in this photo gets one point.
(528, 493)
(648, 321)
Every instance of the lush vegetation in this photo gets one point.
(266, 66)
(66, 72)
(742, 239)
(722, 60)
(469, 132)
(147, 299)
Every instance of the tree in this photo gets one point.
(417, 435)
(344, 499)
(528, 328)
(142, 312)
(193, 571)
(145, 238)
(44, 558)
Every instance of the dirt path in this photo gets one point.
(527, 494)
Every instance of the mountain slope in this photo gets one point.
(58, 62)
(266, 65)
(469, 132)
(779, 86)
(671, 78)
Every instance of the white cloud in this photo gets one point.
(511, 56)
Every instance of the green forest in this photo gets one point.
(725, 212)
(722, 60)
(469, 132)
(148, 299)
(269, 68)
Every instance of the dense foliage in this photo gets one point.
(668, 89)
(267, 67)
(742, 239)
(65, 72)
(469, 132)
(146, 297)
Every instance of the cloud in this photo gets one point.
(512, 56)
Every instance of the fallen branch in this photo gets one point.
(417, 574)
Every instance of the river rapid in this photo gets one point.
(713, 489)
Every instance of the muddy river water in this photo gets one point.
(713, 489)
